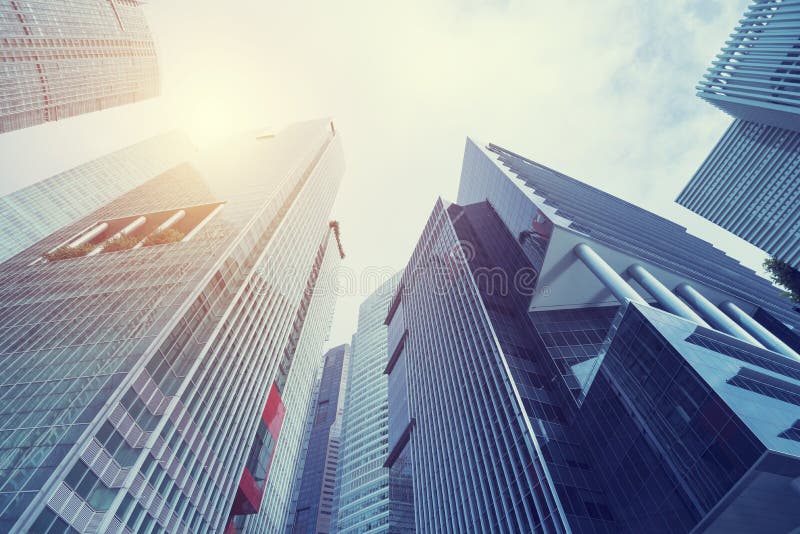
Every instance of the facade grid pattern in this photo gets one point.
(362, 481)
(150, 391)
(61, 59)
(756, 75)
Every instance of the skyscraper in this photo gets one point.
(750, 183)
(62, 59)
(564, 361)
(317, 475)
(301, 356)
(149, 349)
(363, 491)
(34, 212)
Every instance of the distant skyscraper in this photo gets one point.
(34, 212)
(153, 349)
(363, 494)
(317, 480)
(62, 59)
(564, 361)
(750, 183)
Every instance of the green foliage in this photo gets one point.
(785, 276)
(65, 252)
(164, 237)
(123, 242)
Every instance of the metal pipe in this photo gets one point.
(663, 295)
(64, 243)
(175, 217)
(757, 330)
(125, 231)
(202, 223)
(88, 236)
(608, 276)
(713, 315)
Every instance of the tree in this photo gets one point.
(122, 242)
(65, 252)
(163, 237)
(785, 276)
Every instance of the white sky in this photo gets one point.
(601, 91)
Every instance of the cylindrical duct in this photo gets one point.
(713, 315)
(125, 231)
(663, 295)
(88, 236)
(753, 327)
(175, 217)
(608, 276)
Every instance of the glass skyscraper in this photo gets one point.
(564, 361)
(153, 351)
(363, 493)
(61, 59)
(34, 212)
(750, 183)
(316, 482)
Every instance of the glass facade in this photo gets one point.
(147, 373)
(686, 429)
(61, 59)
(316, 482)
(36, 211)
(516, 404)
(488, 408)
(362, 482)
(750, 182)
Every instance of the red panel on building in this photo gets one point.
(250, 491)
(248, 495)
(274, 412)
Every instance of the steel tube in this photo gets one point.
(608, 276)
(757, 330)
(175, 217)
(713, 315)
(88, 236)
(663, 295)
(125, 231)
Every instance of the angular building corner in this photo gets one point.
(157, 351)
(63, 59)
(564, 361)
(750, 182)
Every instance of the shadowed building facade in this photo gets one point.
(62, 59)
(750, 183)
(564, 361)
(153, 351)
